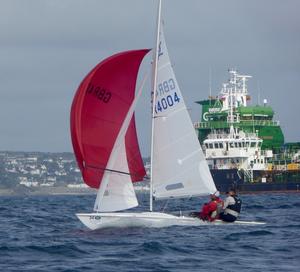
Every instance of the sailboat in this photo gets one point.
(105, 141)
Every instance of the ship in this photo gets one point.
(243, 144)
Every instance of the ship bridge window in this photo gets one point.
(206, 145)
(231, 145)
(236, 144)
(229, 176)
(240, 144)
(216, 145)
(253, 144)
(221, 145)
(211, 146)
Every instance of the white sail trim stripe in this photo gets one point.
(168, 64)
(188, 156)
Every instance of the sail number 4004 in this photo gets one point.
(166, 102)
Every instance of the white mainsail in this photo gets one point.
(179, 166)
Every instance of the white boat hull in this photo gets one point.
(145, 219)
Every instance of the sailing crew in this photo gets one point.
(210, 211)
(231, 208)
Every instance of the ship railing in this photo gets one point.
(245, 136)
(216, 124)
(261, 122)
(213, 124)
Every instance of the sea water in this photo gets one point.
(42, 233)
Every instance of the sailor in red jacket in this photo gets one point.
(210, 211)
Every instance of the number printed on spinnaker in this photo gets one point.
(166, 102)
(99, 92)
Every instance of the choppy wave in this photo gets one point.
(42, 233)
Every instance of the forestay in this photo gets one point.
(179, 166)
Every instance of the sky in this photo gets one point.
(48, 46)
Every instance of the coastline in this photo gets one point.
(60, 190)
(55, 190)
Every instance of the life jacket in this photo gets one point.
(234, 209)
(207, 210)
(220, 205)
(211, 210)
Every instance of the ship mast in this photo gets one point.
(235, 93)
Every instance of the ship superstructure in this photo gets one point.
(242, 143)
(231, 108)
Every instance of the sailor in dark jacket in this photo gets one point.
(231, 208)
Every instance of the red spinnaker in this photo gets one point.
(98, 110)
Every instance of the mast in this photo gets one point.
(154, 83)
